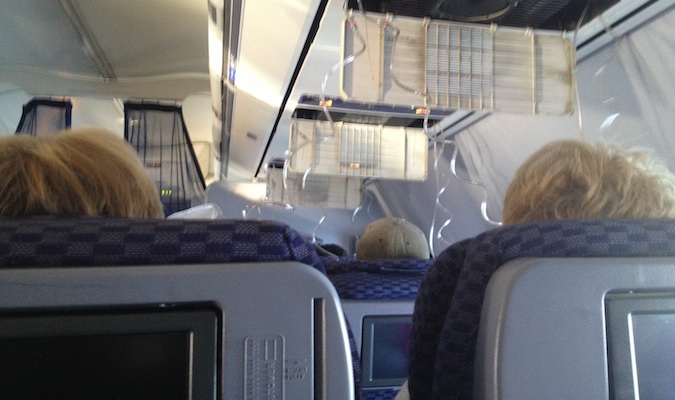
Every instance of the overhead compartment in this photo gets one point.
(314, 190)
(253, 68)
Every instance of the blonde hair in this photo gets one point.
(574, 179)
(86, 171)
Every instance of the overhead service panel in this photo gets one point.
(330, 136)
(312, 189)
(405, 60)
(362, 150)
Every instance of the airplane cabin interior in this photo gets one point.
(277, 132)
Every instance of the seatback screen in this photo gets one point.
(110, 354)
(654, 352)
(384, 351)
(130, 366)
(641, 345)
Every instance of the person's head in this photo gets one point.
(575, 179)
(392, 237)
(76, 172)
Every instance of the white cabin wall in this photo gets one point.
(457, 215)
(12, 100)
(197, 116)
(496, 146)
(629, 96)
(339, 226)
(98, 112)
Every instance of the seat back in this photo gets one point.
(280, 329)
(563, 328)
(448, 307)
(378, 298)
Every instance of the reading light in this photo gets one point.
(457, 65)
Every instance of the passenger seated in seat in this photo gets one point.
(392, 237)
(576, 179)
(80, 172)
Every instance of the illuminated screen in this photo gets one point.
(384, 353)
(155, 355)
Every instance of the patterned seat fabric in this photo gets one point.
(97, 241)
(379, 394)
(448, 307)
(390, 279)
(431, 305)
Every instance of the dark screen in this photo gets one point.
(384, 350)
(125, 366)
(654, 348)
(641, 345)
(390, 350)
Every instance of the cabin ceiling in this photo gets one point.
(144, 49)
(124, 40)
(158, 50)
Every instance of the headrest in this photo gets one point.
(386, 279)
(392, 238)
(50, 241)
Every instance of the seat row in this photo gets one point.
(533, 310)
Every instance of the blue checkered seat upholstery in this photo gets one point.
(389, 279)
(448, 306)
(375, 282)
(97, 241)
